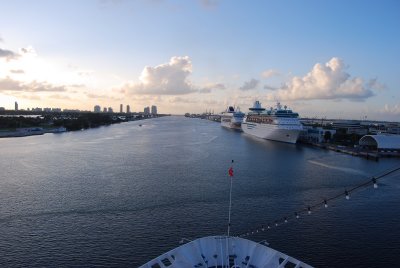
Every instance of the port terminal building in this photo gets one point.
(381, 143)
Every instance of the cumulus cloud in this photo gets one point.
(269, 73)
(166, 79)
(8, 54)
(8, 84)
(325, 81)
(248, 85)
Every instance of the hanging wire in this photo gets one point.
(346, 194)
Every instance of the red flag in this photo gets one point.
(230, 172)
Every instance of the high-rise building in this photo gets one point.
(128, 109)
(110, 110)
(16, 106)
(121, 108)
(146, 110)
(154, 109)
(97, 109)
(104, 109)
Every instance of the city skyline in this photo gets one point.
(335, 59)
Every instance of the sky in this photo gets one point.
(321, 58)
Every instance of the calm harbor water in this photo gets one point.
(121, 195)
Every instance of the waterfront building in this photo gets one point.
(128, 109)
(104, 109)
(381, 143)
(56, 110)
(46, 109)
(110, 110)
(316, 134)
(3, 109)
(350, 126)
(146, 110)
(121, 108)
(97, 109)
(154, 110)
(16, 106)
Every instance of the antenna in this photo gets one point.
(230, 173)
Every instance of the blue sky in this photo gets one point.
(322, 58)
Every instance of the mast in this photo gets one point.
(230, 173)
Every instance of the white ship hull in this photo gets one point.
(282, 133)
(230, 124)
(232, 120)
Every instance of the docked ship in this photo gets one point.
(278, 124)
(232, 118)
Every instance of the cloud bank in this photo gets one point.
(325, 81)
(11, 85)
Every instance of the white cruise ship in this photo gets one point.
(232, 118)
(223, 252)
(278, 124)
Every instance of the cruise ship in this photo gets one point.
(278, 124)
(224, 252)
(232, 118)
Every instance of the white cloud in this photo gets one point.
(166, 79)
(270, 73)
(251, 84)
(328, 81)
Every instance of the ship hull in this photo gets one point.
(288, 134)
(231, 121)
(230, 124)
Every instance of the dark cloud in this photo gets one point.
(8, 54)
(17, 71)
(209, 88)
(268, 87)
(248, 85)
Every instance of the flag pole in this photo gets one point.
(230, 198)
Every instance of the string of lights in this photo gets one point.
(324, 203)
